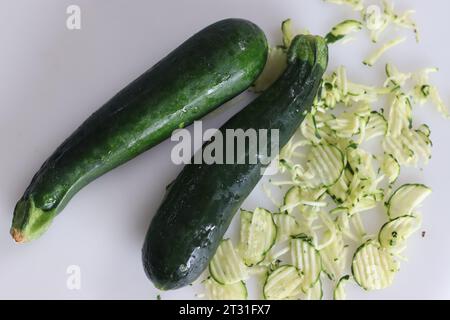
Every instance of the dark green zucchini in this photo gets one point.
(200, 204)
(210, 68)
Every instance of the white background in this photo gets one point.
(51, 79)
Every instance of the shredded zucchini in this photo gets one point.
(342, 30)
(376, 55)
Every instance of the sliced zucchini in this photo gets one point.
(339, 290)
(287, 226)
(258, 235)
(394, 234)
(283, 283)
(334, 255)
(309, 129)
(306, 258)
(326, 163)
(373, 267)
(376, 126)
(361, 163)
(217, 291)
(406, 199)
(304, 199)
(340, 190)
(425, 129)
(226, 267)
(400, 150)
(390, 168)
(313, 293)
(345, 126)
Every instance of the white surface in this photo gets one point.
(51, 79)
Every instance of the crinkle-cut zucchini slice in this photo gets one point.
(306, 258)
(310, 130)
(304, 199)
(258, 235)
(325, 163)
(361, 163)
(406, 199)
(334, 255)
(376, 126)
(373, 267)
(287, 226)
(340, 190)
(345, 126)
(217, 291)
(425, 129)
(395, 233)
(226, 267)
(283, 283)
(390, 168)
(313, 293)
(339, 290)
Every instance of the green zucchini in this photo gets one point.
(210, 68)
(200, 204)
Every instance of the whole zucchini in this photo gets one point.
(200, 204)
(210, 68)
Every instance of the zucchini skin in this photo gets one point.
(199, 205)
(210, 68)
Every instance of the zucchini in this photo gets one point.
(217, 291)
(199, 205)
(226, 266)
(284, 283)
(258, 235)
(207, 70)
(407, 198)
(373, 267)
